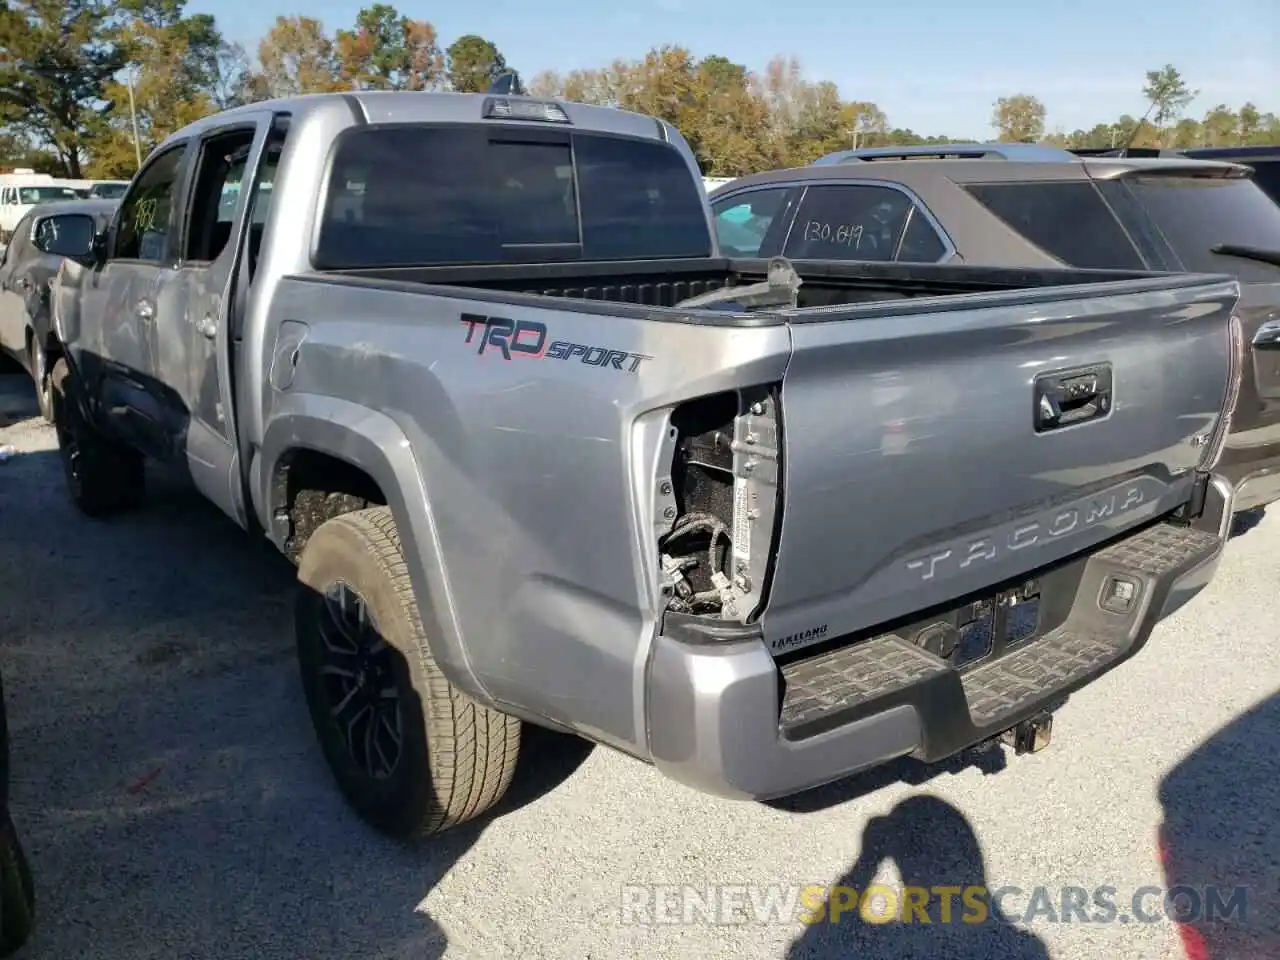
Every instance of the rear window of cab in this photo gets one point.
(415, 195)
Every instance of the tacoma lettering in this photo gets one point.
(1068, 520)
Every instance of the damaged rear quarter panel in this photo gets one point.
(538, 454)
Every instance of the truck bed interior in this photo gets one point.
(665, 283)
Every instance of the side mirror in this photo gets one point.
(67, 235)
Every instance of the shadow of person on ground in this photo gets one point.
(166, 778)
(1220, 839)
(933, 846)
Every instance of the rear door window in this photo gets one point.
(849, 222)
(920, 242)
(1069, 221)
(742, 221)
(416, 195)
(1196, 213)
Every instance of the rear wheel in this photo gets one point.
(103, 477)
(413, 755)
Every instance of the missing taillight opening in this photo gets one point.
(716, 552)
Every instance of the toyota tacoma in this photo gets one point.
(542, 455)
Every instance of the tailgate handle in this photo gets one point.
(1069, 397)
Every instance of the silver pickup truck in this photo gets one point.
(542, 456)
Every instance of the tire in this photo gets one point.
(17, 892)
(455, 757)
(40, 374)
(102, 477)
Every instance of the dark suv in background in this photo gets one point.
(1030, 205)
(1265, 160)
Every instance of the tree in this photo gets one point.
(296, 57)
(234, 81)
(1250, 121)
(731, 121)
(781, 87)
(173, 66)
(579, 86)
(64, 103)
(386, 51)
(473, 64)
(1187, 132)
(1018, 119)
(56, 57)
(1221, 125)
(721, 75)
(866, 122)
(1168, 95)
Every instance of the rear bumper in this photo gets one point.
(1252, 467)
(1256, 486)
(725, 718)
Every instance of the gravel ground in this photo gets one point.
(174, 804)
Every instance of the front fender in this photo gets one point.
(374, 443)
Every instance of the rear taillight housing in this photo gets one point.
(719, 523)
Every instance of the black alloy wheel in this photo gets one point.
(40, 374)
(360, 683)
(72, 456)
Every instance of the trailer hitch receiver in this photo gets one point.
(1031, 735)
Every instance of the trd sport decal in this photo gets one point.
(528, 338)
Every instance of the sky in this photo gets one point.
(933, 66)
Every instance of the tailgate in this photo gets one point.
(936, 448)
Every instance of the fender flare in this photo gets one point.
(373, 442)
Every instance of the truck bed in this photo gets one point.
(664, 283)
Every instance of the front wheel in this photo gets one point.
(412, 755)
(103, 477)
(40, 374)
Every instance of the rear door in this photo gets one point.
(1193, 214)
(195, 342)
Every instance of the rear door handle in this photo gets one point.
(1268, 336)
(1069, 397)
(145, 310)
